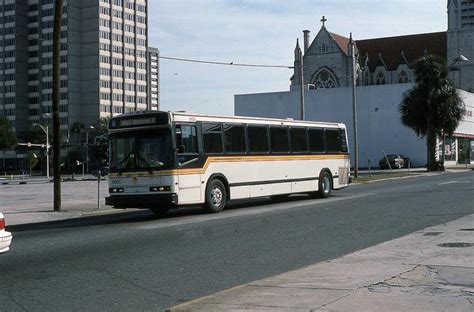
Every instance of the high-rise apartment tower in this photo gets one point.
(103, 59)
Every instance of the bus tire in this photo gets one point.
(324, 184)
(216, 196)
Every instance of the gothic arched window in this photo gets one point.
(324, 79)
(403, 77)
(380, 80)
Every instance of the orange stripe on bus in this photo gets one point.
(218, 159)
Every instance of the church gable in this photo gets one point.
(325, 43)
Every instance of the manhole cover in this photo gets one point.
(456, 245)
(432, 233)
(467, 230)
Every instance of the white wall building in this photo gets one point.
(379, 126)
(384, 68)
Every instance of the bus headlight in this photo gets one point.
(163, 188)
(116, 190)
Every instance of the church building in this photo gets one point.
(327, 59)
(384, 74)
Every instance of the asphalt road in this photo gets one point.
(139, 262)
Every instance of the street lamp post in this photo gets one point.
(46, 131)
(461, 58)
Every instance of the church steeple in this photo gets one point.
(297, 51)
(453, 12)
(298, 63)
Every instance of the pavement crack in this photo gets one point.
(136, 285)
(10, 296)
(386, 282)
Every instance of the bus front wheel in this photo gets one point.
(216, 196)
(325, 185)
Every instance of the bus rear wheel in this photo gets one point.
(216, 196)
(325, 185)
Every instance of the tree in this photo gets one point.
(58, 10)
(433, 107)
(7, 136)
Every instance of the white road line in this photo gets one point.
(455, 182)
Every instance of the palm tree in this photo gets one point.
(433, 107)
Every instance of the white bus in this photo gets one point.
(160, 160)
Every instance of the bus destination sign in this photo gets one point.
(139, 121)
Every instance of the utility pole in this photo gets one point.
(302, 110)
(354, 107)
(58, 10)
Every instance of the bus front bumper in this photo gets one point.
(141, 201)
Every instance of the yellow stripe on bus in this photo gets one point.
(218, 159)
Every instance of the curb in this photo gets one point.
(78, 220)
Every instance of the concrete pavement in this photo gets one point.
(33, 203)
(429, 270)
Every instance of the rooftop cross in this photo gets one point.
(324, 20)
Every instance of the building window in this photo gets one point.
(403, 77)
(323, 48)
(380, 80)
(324, 79)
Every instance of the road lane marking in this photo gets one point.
(454, 182)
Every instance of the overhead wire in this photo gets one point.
(171, 58)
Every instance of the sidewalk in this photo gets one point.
(429, 270)
(33, 203)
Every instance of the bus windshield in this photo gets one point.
(140, 150)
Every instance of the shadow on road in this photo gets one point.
(146, 215)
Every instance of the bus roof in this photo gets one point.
(185, 116)
(192, 117)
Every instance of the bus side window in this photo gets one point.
(344, 147)
(316, 140)
(186, 141)
(258, 139)
(298, 140)
(234, 138)
(279, 141)
(212, 138)
(333, 141)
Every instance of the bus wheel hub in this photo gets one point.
(216, 196)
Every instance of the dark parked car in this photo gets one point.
(397, 161)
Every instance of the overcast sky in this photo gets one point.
(262, 32)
